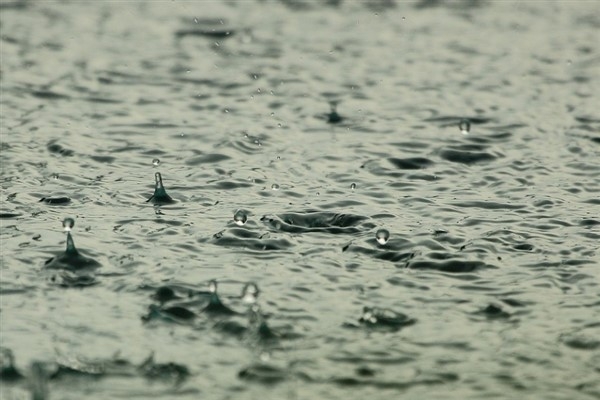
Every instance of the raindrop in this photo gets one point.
(240, 217)
(275, 186)
(465, 126)
(68, 224)
(250, 293)
(55, 176)
(382, 236)
(353, 186)
(196, 20)
(212, 286)
(156, 162)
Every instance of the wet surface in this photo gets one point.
(412, 188)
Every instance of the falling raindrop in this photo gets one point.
(250, 293)
(212, 286)
(353, 186)
(382, 236)
(465, 126)
(156, 162)
(68, 224)
(240, 217)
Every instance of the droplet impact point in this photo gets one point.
(160, 195)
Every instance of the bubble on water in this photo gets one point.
(240, 217)
(68, 224)
(55, 176)
(156, 162)
(275, 186)
(353, 186)
(212, 286)
(250, 293)
(382, 236)
(465, 126)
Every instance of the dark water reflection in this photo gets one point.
(289, 135)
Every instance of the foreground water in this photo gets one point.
(329, 226)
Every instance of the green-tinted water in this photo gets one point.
(292, 136)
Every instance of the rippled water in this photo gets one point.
(315, 150)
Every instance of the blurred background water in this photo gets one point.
(315, 149)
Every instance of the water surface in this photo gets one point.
(317, 125)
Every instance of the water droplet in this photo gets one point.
(250, 293)
(55, 176)
(353, 186)
(240, 217)
(382, 236)
(465, 126)
(156, 162)
(275, 186)
(258, 90)
(196, 20)
(68, 224)
(212, 286)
